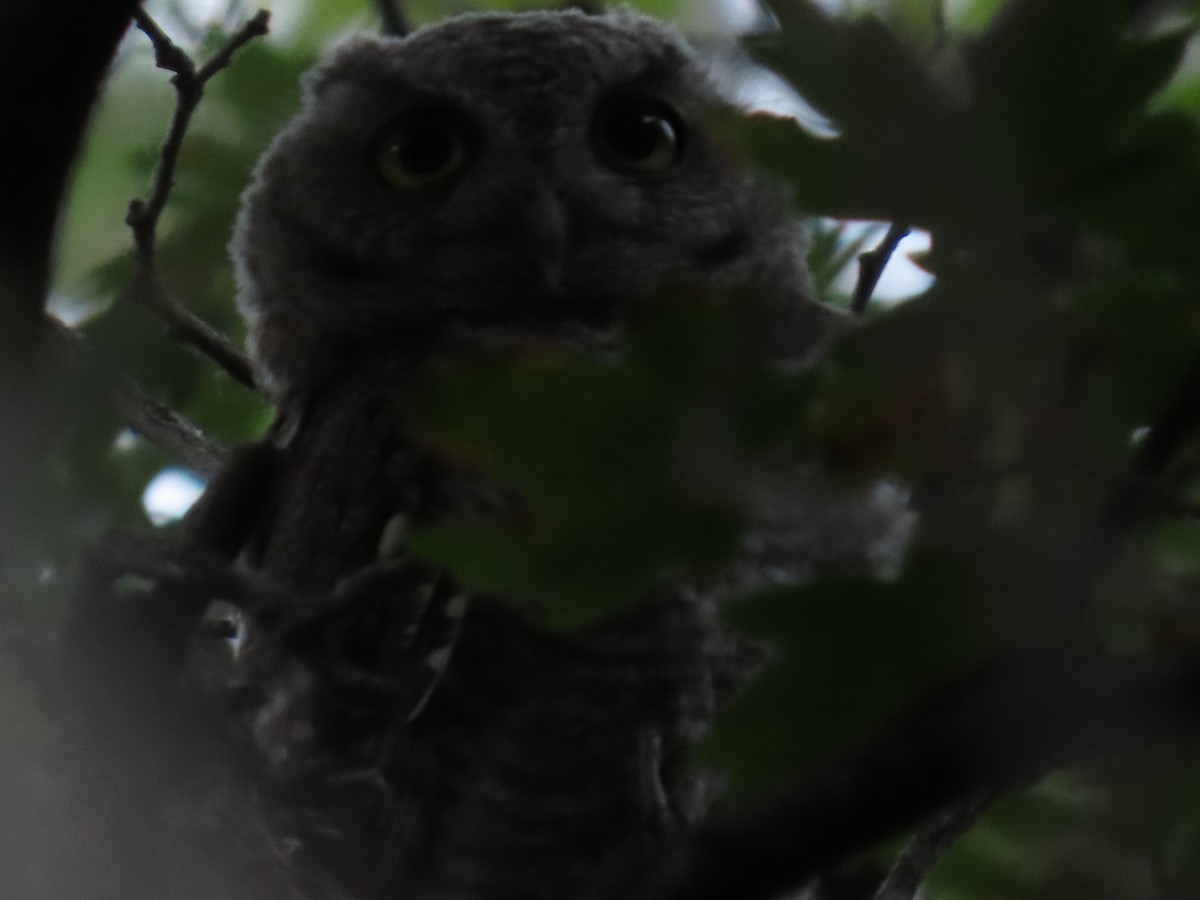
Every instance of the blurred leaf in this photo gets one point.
(627, 469)
(919, 23)
(901, 141)
(845, 656)
(1055, 86)
(974, 15)
(320, 20)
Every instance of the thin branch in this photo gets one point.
(941, 31)
(166, 429)
(147, 289)
(161, 426)
(871, 265)
(395, 20)
(927, 847)
(189, 83)
(143, 215)
(256, 26)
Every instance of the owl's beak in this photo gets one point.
(545, 223)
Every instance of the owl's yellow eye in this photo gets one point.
(421, 146)
(637, 133)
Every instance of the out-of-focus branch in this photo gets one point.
(143, 216)
(1000, 728)
(591, 7)
(395, 20)
(871, 265)
(60, 49)
(163, 427)
(927, 847)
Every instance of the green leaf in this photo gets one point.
(626, 469)
(1055, 83)
(900, 133)
(973, 15)
(845, 655)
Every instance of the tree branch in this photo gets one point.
(63, 49)
(871, 265)
(143, 216)
(927, 847)
(590, 7)
(161, 426)
(166, 429)
(1000, 728)
(395, 20)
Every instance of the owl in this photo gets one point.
(492, 182)
(518, 172)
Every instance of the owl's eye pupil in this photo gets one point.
(638, 133)
(423, 153)
(639, 137)
(419, 147)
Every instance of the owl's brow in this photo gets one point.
(391, 86)
(657, 72)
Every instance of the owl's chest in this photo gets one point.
(540, 758)
(352, 479)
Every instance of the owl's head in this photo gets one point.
(522, 171)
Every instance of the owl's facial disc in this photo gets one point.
(526, 180)
(534, 175)
(558, 222)
(545, 224)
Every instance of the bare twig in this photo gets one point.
(395, 20)
(591, 7)
(928, 846)
(871, 265)
(163, 427)
(166, 429)
(143, 215)
(941, 33)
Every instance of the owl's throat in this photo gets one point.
(580, 324)
(537, 311)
